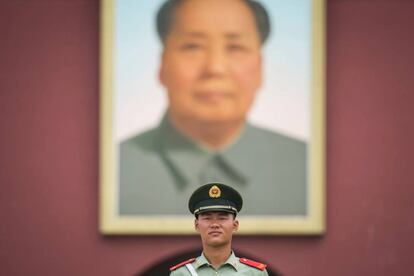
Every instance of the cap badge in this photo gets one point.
(214, 192)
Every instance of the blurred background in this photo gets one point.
(49, 103)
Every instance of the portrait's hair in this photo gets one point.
(165, 18)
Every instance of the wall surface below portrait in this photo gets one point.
(49, 99)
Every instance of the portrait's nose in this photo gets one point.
(216, 63)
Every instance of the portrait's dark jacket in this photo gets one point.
(160, 168)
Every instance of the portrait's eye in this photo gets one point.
(235, 47)
(190, 46)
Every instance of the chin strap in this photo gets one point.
(191, 269)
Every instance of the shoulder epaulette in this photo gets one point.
(253, 263)
(182, 263)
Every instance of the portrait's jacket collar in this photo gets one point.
(187, 159)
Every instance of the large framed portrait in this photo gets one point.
(212, 91)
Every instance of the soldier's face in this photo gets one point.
(211, 64)
(216, 228)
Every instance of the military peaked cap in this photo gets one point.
(215, 197)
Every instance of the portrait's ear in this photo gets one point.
(161, 74)
(260, 68)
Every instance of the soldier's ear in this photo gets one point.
(196, 224)
(235, 225)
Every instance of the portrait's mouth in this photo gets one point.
(212, 96)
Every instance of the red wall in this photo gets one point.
(49, 148)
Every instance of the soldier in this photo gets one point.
(215, 207)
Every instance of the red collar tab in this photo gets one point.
(181, 264)
(253, 263)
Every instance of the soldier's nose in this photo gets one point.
(214, 225)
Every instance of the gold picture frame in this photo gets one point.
(112, 223)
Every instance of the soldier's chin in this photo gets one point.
(217, 243)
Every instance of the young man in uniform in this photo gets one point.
(215, 207)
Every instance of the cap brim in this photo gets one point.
(228, 209)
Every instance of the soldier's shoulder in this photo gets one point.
(254, 264)
(177, 266)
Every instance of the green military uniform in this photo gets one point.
(217, 197)
(233, 266)
(268, 168)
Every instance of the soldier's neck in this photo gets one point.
(214, 136)
(217, 256)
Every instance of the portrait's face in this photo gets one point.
(216, 228)
(211, 64)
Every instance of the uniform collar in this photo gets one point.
(232, 260)
(180, 153)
